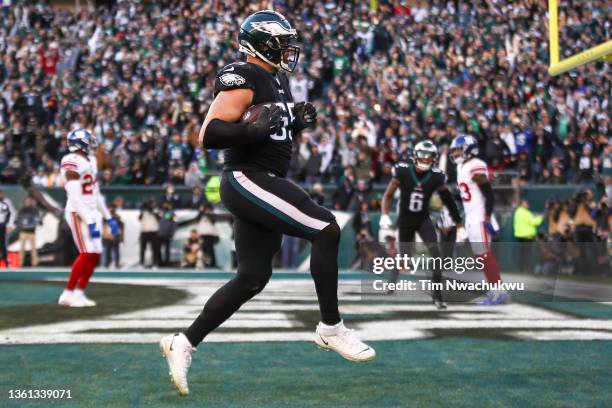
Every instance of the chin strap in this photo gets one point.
(249, 50)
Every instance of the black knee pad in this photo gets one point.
(252, 283)
(329, 234)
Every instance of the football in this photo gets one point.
(252, 113)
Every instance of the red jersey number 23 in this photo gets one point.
(465, 192)
(87, 184)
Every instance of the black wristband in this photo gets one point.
(220, 134)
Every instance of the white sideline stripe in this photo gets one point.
(278, 203)
(181, 314)
(267, 310)
(383, 330)
(565, 334)
(269, 318)
(136, 325)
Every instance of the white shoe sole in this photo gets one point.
(326, 347)
(164, 349)
(67, 303)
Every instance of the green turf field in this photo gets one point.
(459, 361)
(447, 372)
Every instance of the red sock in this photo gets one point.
(78, 268)
(491, 268)
(92, 262)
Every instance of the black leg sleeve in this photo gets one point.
(284, 207)
(255, 248)
(427, 232)
(324, 270)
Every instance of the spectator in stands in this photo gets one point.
(525, 230)
(196, 199)
(586, 164)
(312, 167)
(361, 195)
(112, 243)
(445, 68)
(192, 254)
(118, 203)
(167, 228)
(343, 195)
(212, 191)
(171, 196)
(548, 258)
(361, 219)
(584, 230)
(367, 248)
(194, 176)
(28, 219)
(6, 212)
(209, 236)
(149, 226)
(316, 193)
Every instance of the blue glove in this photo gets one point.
(114, 227)
(94, 232)
(490, 228)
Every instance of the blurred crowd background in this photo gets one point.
(383, 75)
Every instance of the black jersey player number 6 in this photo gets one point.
(285, 131)
(416, 201)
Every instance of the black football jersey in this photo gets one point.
(416, 190)
(274, 154)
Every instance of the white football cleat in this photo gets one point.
(177, 350)
(68, 299)
(344, 342)
(80, 296)
(65, 298)
(495, 297)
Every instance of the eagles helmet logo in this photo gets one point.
(272, 28)
(229, 79)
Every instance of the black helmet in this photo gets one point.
(268, 35)
(425, 155)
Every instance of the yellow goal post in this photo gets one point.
(601, 51)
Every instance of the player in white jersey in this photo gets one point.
(85, 212)
(477, 197)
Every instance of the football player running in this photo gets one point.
(85, 209)
(417, 183)
(477, 196)
(264, 203)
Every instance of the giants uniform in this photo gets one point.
(474, 204)
(90, 207)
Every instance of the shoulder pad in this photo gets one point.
(478, 166)
(399, 168)
(71, 162)
(234, 76)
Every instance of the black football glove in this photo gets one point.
(305, 116)
(268, 123)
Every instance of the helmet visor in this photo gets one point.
(289, 58)
(424, 159)
(287, 51)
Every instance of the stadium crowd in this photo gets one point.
(383, 75)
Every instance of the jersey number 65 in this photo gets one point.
(285, 132)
